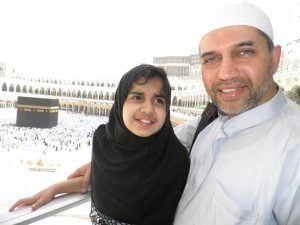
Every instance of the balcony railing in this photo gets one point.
(25, 215)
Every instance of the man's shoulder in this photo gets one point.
(291, 125)
(191, 123)
(292, 113)
(186, 131)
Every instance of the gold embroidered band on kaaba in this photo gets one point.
(38, 108)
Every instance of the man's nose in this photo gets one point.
(228, 69)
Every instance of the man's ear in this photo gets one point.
(276, 54)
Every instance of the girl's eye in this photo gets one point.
(160, 101)
(136, 97)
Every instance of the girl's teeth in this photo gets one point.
(146, 121)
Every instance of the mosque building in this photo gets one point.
(95, 96)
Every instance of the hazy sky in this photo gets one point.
(104, 38)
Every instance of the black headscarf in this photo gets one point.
(137, 180)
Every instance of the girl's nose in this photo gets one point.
(147, 108)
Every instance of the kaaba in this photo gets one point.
(37, 112)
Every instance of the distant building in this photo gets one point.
(195, 66)
(290, 58)
(2, 69)
(288, 73)
(93, 96)
(178, 66)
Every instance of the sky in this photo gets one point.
(105, 38)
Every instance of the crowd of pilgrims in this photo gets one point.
(73, 132)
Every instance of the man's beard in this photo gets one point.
(256, 93)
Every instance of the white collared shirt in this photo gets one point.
(246, 170)
(185, 131)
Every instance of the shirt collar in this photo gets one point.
(253, 116)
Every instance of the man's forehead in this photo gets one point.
(228, 36)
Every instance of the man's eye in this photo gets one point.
(210, 60)
(160, 101)
(246, 52)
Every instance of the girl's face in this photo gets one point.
(144, 109)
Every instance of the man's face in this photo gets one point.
(238, 68)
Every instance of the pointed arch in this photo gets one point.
(78, 94)
(84, 94)
(4, 87)
(11, 88)
(24, 89)
(18, 88)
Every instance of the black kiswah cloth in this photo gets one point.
(137, 180)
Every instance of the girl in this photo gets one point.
(139, 168)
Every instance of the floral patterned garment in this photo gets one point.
(98, 218)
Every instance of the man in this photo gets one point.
(245, 166)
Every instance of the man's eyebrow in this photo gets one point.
(207, 54)
(244, 43)
(240, 44)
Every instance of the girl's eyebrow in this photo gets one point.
(140, 93)
(159, 96)
(135, 92)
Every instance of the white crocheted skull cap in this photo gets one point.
(241, 13)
